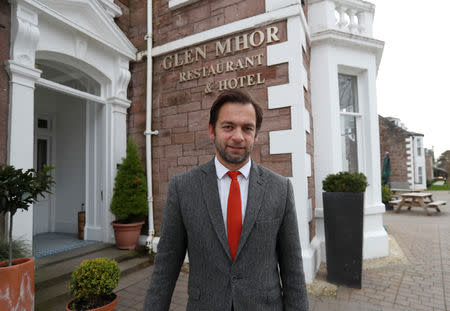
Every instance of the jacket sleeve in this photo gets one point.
(170, 256)
(295, 296)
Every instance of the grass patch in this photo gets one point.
(445, 186)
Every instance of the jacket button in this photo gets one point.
(234, 279)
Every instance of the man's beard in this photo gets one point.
(233, 159)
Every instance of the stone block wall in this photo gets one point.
(392, 140)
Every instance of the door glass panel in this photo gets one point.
(41, 154)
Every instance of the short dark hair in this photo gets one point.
(234, 97)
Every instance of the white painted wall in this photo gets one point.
(69, 162)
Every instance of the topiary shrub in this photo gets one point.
(129, 201)
(386, 194)
(92, 283)
(345, 182)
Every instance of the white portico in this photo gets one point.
(344, 65)
(69, 74)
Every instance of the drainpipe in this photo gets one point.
(148, 128)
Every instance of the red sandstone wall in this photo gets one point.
(310, 139)
(181, 114)
(392, 140)
(170, 25)
(181, 110)
(5, 29)
(429, 164)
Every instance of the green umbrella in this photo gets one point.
(386, 173)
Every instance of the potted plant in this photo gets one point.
(92, 284)
(129, 201)
(18, 190)
(343, 204)
(386, 195)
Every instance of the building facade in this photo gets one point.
(406, 152)
(85, 74)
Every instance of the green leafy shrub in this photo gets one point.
(129, 201)
(386, 194)
(345, 182)
(429, 183)
(19, 189)
(92, 283)
(20, 249)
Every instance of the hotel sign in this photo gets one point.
(201, 68)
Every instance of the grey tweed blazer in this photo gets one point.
(267, 273)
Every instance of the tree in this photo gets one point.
(129, 201)
(444, 161)
(19, 189)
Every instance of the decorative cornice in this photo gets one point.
(120, 43)
(341, 38)
(24, 34)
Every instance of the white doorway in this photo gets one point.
(44, 153)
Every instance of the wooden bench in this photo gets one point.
(395, 202)
(436, 204)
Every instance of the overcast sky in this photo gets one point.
(414, 75)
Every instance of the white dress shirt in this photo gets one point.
(224, 182)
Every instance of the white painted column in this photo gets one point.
(117, 147)
(23, 75)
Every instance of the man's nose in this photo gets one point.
(238, 135)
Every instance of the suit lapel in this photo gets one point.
(254, 200)
(212, 200)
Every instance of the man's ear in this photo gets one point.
(256, 138)
(212, 136)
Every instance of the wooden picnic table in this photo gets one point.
(419, 199)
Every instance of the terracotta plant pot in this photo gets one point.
(17, 282)
(127, 235)
(109, 307)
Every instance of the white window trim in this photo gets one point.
(359, 117)
(68, 90)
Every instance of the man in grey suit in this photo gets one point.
(237, 221)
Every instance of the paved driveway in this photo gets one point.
(422, 283)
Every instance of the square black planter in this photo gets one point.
(343, 221)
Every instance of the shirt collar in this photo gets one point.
(221, 170)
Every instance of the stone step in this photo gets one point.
(58, 303)
(52, 279)
(82, 251)
(51, 273)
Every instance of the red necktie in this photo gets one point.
(234, 213)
